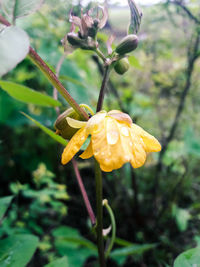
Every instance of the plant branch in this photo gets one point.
(51, 77)
(191, 61)
(103, 88)
(84, 194)
(187, 11)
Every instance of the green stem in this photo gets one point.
(113, 224)
(98, 178)
(100, 54)
(103, 88)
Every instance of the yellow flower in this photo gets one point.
(115, 140)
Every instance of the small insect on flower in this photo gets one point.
(115, 140)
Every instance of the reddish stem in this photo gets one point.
(84, 194)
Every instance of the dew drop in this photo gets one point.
(112, 137)
(124, 131)
(127, 157)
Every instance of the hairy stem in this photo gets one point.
(103, 88)
(84, 194)
(98, 178)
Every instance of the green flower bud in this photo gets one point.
(122, 66)
(127, 44)
(61, 125)
(75, 41)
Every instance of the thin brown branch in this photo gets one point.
(84, 194)
(187, 11)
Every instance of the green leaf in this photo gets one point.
(182, 216)
(134, 62)
(19, 8)
(17, 250)
(4, 204)
(71, 80)
(69, 242)
(120, 254)
(52, 134)
(14, 46)
(27, 95)
(62, 262)
(136, 16)
(189, 258)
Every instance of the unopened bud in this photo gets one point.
(122, 66)
(127, 44)
(62, 126)
(75, 41)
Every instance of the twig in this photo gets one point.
(191, 61)
(186, 10)
(84, 194)
(103, 88)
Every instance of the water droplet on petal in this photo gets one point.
(112, 137)
(124, 131)
(130, 143)
(127, 157)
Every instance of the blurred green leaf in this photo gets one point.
(27, 95)
(19, 8)
(182, 216)
(14, 46)
(134, 62)
(17, 250)
(69, 242)
(120, 254)
(62, 262)
(4, 204)
(71, 80)
(52, 134)
(189, 258)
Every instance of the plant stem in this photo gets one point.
(56, 83)
(113, 223)
(103, 88)
(51, 77)
(98, 178)
(100, 54)
(84, 194)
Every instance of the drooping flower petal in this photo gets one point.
(151, 143)
(138, 151)
(88, 153)
(74, 145)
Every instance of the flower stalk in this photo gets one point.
(103, 88)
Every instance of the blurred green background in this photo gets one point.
(157, 207)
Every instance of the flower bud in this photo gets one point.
(62, 126)
(127, 44)
(122, 66)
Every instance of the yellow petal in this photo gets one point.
(138, 152)
(109, 150)
(93, 123)
(151, 143)
(76, 123)
(88, 153)
(74, 145)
